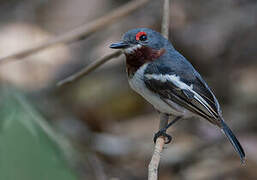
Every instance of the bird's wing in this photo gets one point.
(185, 88)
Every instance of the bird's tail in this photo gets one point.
(233, 140)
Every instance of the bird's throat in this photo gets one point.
(139, 56)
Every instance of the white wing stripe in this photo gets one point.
(172, 78)
(180, 84)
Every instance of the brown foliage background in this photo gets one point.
(109, 126)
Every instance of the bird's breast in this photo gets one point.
(137, 83)
(140, 56)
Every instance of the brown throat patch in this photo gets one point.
(141, 56)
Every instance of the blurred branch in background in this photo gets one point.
(166, 18)
(80, 32)
(91, 67)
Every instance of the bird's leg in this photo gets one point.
(164, 119)
(162, 131)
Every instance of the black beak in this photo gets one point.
(119, 45)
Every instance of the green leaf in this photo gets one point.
(29, 148)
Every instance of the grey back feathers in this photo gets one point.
(173, 63)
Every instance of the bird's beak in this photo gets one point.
(119, 45)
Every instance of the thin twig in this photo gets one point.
(80, 32)
(154, 163)
(166, 18)
(89, 68)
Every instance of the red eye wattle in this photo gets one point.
(141, 36)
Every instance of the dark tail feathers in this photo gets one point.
(233, 140)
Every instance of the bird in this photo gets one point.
(168, 81)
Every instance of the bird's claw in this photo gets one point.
(163, 133)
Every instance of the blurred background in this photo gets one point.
(98, 128)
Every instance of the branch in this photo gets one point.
(80, 32)
(89, 68)
(154, 163)
(166, 19)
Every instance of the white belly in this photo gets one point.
(138, 85)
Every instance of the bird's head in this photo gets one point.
(142, 40)
(142, 46)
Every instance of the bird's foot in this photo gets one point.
(163, 133)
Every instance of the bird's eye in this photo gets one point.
(141, 36)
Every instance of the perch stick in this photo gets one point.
(155, 161)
